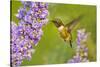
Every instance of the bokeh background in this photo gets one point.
(51, 49)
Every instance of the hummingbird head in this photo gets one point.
(57, 22)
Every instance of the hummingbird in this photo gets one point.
(65, 30)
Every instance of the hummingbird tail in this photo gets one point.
(70, 43)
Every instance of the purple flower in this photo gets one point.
(28, 19)
(81, 49)
(42, 15)
(36, 9)
(28, 32)
(21, 13)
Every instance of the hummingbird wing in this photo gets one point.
(72, 24)
(57, 22)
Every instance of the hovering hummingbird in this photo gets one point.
(65, 30)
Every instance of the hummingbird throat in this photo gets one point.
(61, 28)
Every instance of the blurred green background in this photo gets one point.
(51, 49)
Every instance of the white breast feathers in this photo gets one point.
(60, 28)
